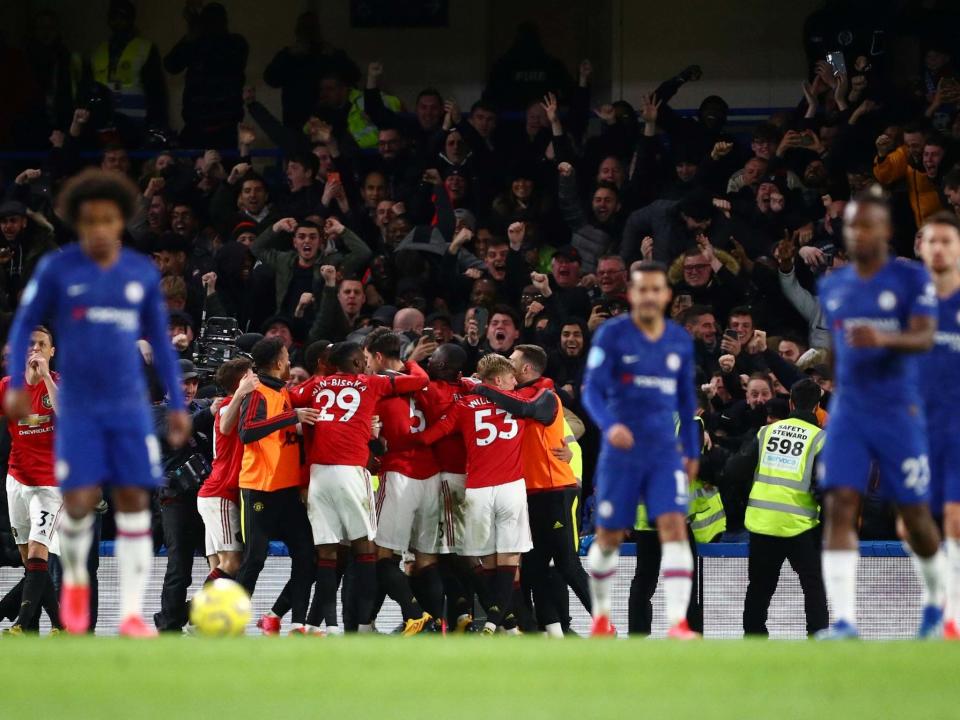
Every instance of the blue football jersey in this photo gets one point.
(940, 368)
(97, 317)
(643, 384)
(898, 291)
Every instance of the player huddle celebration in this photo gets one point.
(458, 496)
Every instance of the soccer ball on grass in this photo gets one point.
(220, 609)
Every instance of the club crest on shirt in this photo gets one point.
(133, 291)
(29, 292)
(887, 300)
(595, 357)
(673, 362)
(46, 402)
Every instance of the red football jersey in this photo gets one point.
(436, 401)
(347, 404)
(224, 479)
(301, 396)
(493, 439)
(402, 416)
(31, 446)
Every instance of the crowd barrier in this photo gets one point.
(888, 593)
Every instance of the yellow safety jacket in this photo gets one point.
(781, 501)
(129, 95)
(705, 511)
(360, 125)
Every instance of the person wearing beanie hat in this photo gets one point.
(245, 232)
(246, 341)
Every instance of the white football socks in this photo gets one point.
(554, 630)
(953, 579)
(840, 581)
(930, 573)
(76, 537)
(134, 551)
(603, 566)
(677, 567)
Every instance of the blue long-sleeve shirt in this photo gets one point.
(97, 317)
(643, 384)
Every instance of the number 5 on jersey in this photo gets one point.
(489, 430)
(419, 421)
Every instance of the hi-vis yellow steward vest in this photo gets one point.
(705, 511)
(129, 97)
(359, 125)
(781, 503)
(576, 462)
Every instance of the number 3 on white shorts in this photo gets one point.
(916, 472)
(489, 430)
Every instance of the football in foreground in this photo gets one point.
(220, 609)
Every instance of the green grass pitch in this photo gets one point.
(472, 677)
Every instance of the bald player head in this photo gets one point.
(447, 362)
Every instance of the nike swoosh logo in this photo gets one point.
(631, 358)
(74, 290)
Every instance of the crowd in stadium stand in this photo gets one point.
(506, 219)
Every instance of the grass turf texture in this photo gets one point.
(472, 677)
